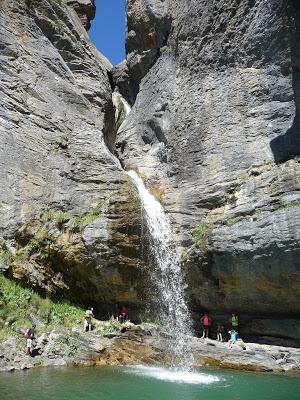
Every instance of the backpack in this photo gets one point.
(30, 334)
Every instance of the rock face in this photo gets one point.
(68, 222)
(214, 130)
(86, 10)
(148, 27)
(215, 125)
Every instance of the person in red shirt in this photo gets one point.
(206, 321)
(123, 314)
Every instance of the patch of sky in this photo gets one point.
(108, 29)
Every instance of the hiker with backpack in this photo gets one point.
(29, 337)
(89, 314)
(234, 322)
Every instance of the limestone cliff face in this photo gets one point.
(215, 125)
(214, 130)
(68, 224)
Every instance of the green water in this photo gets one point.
(141, 383)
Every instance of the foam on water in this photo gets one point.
(172, 375)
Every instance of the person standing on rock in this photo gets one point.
(115, 315)
(123, 314)
(234, 322)
(220, 333)
(233, 337)
(30, 335)
(206, 322)
(88, 319)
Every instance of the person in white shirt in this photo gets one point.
(88, 319)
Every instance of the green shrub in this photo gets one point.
(61, 218)
(231, 221)
(184, 255)
(47, 215)
(108, 326)
(17, 304)
(200, 234)
(63, 141)
(163, 49)
(88, 218)
(80, 222)
(43, 236)
(44, 307)
(7, 256)
(75, 224)
(291, 204)
(54, 152)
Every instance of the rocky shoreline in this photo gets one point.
(135, 345)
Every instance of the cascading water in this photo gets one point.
(126, 106)
(166, 276)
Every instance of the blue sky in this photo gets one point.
(108, 29)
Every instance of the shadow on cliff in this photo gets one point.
(287, 146)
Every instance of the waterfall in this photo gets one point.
(126, 106)
(166, 275)
(122, 108)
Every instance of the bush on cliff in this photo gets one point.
(20, 307)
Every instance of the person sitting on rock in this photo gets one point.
(220, 333)
(123, 317)
(233, 337)
(88, 319)
(206, 322)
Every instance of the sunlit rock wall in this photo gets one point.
(69, 223)
(215, 131)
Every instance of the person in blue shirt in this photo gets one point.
(233, 337)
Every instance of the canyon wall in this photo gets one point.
(215, 132)
(70, 218)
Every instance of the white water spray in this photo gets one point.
(166, 275)
(178, 376)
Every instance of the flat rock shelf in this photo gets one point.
(137, 346)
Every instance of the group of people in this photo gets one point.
(28, 334)
(120, 314)
(206, 322)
